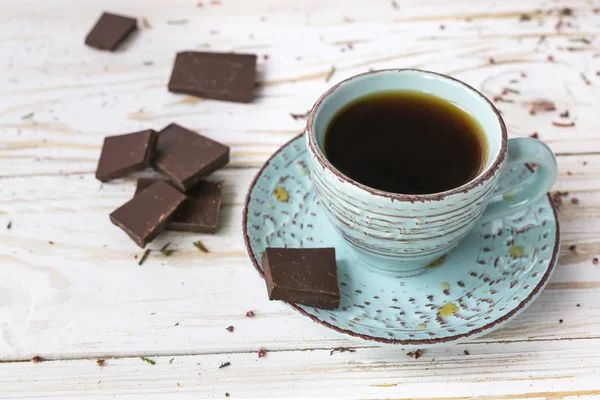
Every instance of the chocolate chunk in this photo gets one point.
(305, 276)
(110, 31)
(220, 76)
(148, 213)
(124, 154)
(199, 213)
(186, 157)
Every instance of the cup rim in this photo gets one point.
(479, 179)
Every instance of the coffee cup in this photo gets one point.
(399, 233)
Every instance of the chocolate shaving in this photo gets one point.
(563, 124)
(148, 360)
(330, 74)
(225, 364)
(200, 246)
(466, 352)
(300, 116)
(250, 314)
(564, 114)
(341, 350)
(542, 105)
(585, 79)
(144, 257)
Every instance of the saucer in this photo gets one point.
(490, 278)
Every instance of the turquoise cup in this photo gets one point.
(402, 234)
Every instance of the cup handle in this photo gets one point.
(528, 191)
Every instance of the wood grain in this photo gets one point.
(498, 371)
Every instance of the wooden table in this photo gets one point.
(71, 291)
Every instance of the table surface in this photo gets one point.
(72, 292)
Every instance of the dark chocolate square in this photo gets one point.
(124, 154)
(110, 31)
(304, 276)
(148, 213)
(199, 213)
(220, 76)
(186, 157)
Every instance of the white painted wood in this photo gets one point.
(85, 296)
(536, 370)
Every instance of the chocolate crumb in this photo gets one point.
(578, 305)
(550, 58)
(442, 27)
(177, 324)
(341, 350)
(229, 328)
(595, 260)
(560, 321)
(100, 363)
(574, 200)
(226, 394)
(569, 173)
(36, 359)
(416, 354)
(523, 75)
(563, 124)
(491, 60)
(564, 114)
(225, 364)
(534, 135)
(50, 242)
(250, 314)
(466, 352)
(262, 353)
(572, 247)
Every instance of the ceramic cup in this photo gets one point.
(402, 234)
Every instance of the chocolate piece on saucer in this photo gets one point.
(304, 276)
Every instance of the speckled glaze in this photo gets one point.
(396, 233)
(493, 274)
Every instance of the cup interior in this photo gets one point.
(449, 89)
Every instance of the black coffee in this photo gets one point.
(406, 142)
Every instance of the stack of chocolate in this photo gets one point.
(184, 201)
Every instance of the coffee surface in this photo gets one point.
(406, 142)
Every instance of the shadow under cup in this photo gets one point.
(393, 232)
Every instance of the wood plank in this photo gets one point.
(538, 370)
(78, 95)
(85, 294)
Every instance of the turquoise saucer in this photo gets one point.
(490, 278)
